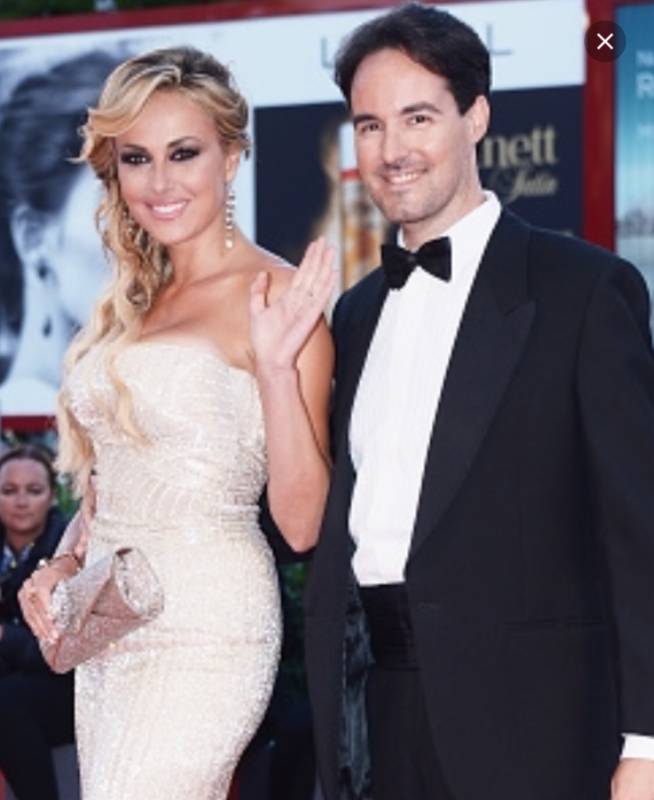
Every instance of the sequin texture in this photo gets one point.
(167, 711)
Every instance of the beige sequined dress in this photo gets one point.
(166, 712)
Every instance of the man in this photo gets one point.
(480, 598)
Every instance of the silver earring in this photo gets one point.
(230, 205)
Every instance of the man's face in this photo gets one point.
(415, 150)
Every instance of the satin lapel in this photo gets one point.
(489, 344)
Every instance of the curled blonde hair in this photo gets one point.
(140, 264)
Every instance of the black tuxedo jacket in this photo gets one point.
(531, 567)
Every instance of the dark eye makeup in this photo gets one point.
(135, 158)
(184, 153)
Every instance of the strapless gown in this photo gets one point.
(165, 713)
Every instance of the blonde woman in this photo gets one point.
(203, 375)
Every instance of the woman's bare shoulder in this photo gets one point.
(280, 271)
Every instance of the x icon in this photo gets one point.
(605, 40)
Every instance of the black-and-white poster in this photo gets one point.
(300, 181)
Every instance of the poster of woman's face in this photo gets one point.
(300, 181)
(51, 260)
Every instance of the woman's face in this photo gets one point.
(75, 253)
(173, 170)
(25, 497)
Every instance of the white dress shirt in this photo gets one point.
(397, 398)
(395, 407)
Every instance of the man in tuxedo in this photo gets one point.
(479, 613)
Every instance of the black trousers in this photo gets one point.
(404, 760)
(36, 714)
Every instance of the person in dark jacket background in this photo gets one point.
(36, 706)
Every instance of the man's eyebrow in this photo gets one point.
(359, 118)
(414, 108)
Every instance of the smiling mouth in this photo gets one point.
(403, 178)
(168, 210)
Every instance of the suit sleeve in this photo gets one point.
(616, 391)
(337, 324)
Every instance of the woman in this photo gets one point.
(36, 707)
(51, 263)
(204, 373)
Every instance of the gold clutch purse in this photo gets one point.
(99, 605)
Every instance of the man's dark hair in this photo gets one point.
(432, 38)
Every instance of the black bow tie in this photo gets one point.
(435, 257)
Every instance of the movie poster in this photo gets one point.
(634, 164)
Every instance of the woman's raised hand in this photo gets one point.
(280, 329)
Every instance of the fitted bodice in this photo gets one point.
(203, 453)
(167, 710)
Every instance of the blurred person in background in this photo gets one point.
(36, 706)
(52, 263)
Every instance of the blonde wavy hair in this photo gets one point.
(140, 264)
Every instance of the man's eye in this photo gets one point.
(367, 127)
(418, 119)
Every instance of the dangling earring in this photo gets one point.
(230, 205)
